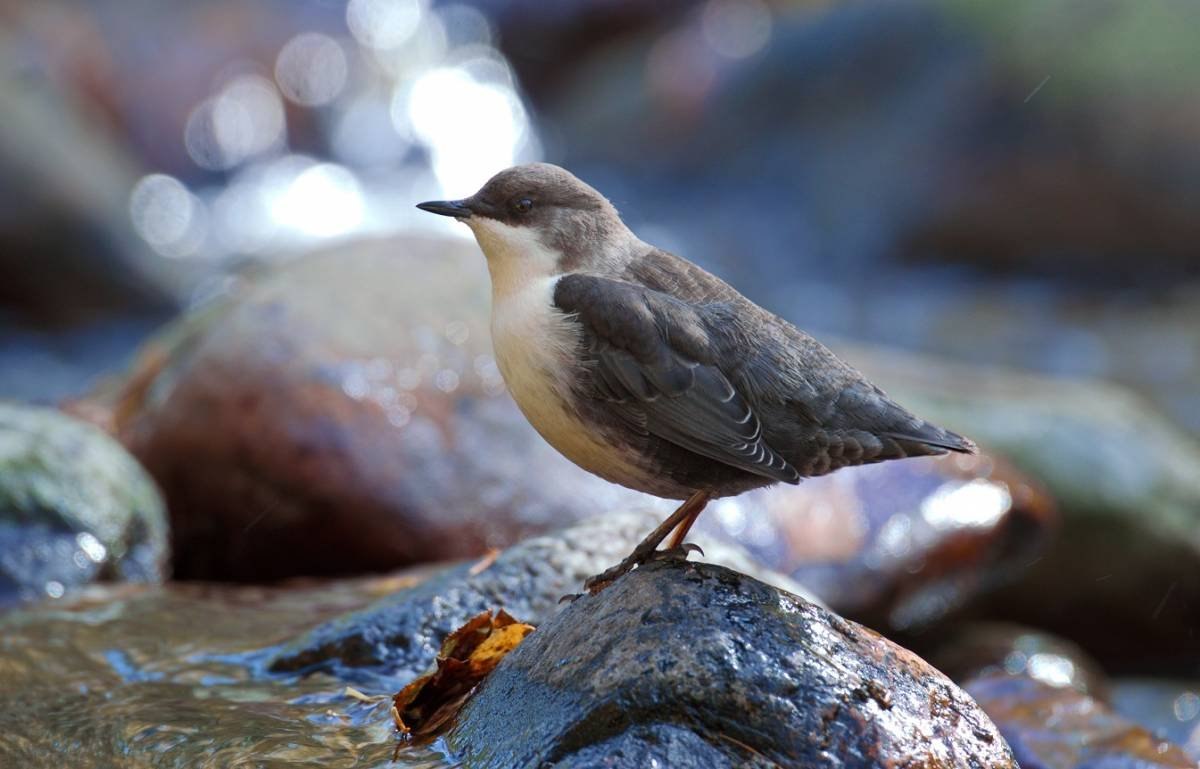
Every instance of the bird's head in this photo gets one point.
(539, 220)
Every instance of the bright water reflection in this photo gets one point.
(173, 678)
(414, 103)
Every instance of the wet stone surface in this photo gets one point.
(987, 648)
(1052, 727)
(1124, 478)
(1169, 708)
(896, 545)
(398, 636)
(74, 508)
(707, 667)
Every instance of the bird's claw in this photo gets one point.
(598, 582)
(677, 553)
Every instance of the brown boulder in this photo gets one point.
(695, 666)
(342, 415)
(899, 544)
(1061, 728)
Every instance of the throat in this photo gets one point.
(517, 259)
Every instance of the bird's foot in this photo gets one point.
(638, 557)
(677, 553)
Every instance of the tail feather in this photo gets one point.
(928, 436)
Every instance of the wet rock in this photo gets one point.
(74, 508)
(1061, 728)
(695, 665)
(546, 45)
(343, 415)
(1168, 708)
(896, 545)
(398, 637)
(987, 648)
(1122, 577)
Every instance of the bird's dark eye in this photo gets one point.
(521, 205)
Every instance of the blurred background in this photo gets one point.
(209, 248)
(1012, 184)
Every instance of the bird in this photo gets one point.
(650, 372)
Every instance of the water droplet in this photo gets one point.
(736, 28)
(383, 24)
(446, 381)
(1187, 706)
(91, 546)
(311, 69)
(1052, 669)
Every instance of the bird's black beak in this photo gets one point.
(456, 208)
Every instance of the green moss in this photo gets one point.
(63, 473)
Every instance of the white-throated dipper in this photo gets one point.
(652, 373)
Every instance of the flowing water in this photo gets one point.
(175, 676)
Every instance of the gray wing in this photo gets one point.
(652, 362)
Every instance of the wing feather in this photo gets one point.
(650, 363)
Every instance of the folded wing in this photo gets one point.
(651, 362)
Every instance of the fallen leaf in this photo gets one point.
(467, 656)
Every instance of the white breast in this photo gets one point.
(537, 350)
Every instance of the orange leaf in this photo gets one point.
(467, 656)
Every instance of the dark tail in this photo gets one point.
(931, 439)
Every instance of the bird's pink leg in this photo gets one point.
(682, 518)
(681, 531)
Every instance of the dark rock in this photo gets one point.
(713, 668)
(545, 44)
(398, 637)
(987, 648)
(895, 545)
(1060, 728)
(74, 508)
(345, 415)
(1122, 577)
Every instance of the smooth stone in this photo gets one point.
(703, 666)
(75, 508)
(1052, 727)
(342, 415)
(1122, 576)
(897, 545)
(398, 636)
(985, 648)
